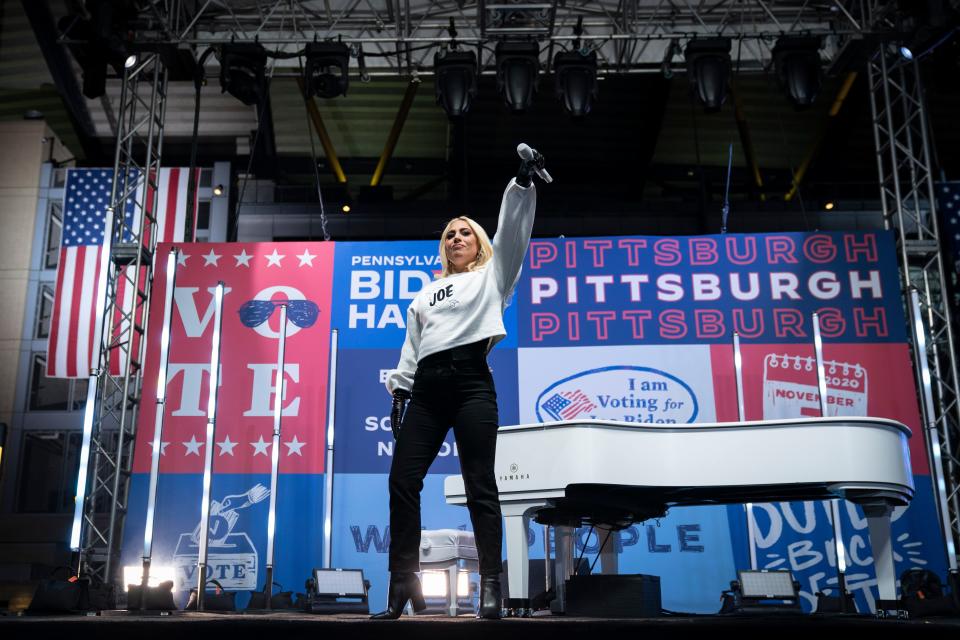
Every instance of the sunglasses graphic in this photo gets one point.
(302, 313)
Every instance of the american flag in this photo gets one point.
(70, 348)
(567, 405)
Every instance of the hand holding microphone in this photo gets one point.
(531, 162)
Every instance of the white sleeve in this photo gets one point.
(514, 227)
(402, 376)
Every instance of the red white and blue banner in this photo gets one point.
(636, 329)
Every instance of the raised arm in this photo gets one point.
(514, 227)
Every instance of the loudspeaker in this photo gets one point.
(614, 596)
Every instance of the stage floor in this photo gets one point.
(187, 626)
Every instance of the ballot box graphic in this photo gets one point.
(233, 563)
(790, 387)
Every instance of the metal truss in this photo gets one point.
(901, 135)
(401, 37)
(123, 304)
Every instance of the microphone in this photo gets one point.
(529, 154)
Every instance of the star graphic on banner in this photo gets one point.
(182, 259)
(226, 447)
(306, 258)
(243, 259)
(193, 447)
(211, 259)
(163, 447)
(260, 447)
(273, 260)
(294, 446)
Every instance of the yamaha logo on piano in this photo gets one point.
(514, 474)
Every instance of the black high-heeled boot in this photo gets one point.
(403, 587)
(489, 597)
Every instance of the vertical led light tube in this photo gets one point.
(328, 465)
(158, 416)
(96, 364)
(742, 416)
(208, 450)
(275, 452)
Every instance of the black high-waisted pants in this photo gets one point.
(450, 388)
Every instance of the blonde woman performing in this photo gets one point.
(451, 326)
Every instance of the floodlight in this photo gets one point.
(243, 71)
(132, 575)
(797, 61)
(576, 80)
(337, 591)
(326, 68)
(517, 66)
(456, 81)
(434, 584)
(767, 585)
(708, 66)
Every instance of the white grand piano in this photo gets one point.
(607, 472)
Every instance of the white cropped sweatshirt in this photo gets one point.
(468, 307)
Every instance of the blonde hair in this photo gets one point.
(484, 253)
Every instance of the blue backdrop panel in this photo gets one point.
(238, 529)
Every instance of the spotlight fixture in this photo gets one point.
(905, 52)
(456, 81)
(708, 66)
(576, 81)
(242, 71)
(666, 65)
(325, 70)
(829, 205)
(517, 66)
(218, 190)
(797, 61)
(345, 208)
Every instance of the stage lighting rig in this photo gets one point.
(517, 66)
(576, 80)
(708, 66)
(456, 81)
(797, 61)
(326, 68)
(243, 71)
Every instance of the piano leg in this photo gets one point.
(878, 523)
(562, 566)
(515, 521)
(608, 556)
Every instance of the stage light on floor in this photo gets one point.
(456, 81)
(243, 71)
(517, 66)
(325, 72)
(576, 81)
(708, 66)
(337, 591)
(435, 584)
(797, 61)
(133, 574)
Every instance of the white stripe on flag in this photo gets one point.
(68, 263)
(85, 310)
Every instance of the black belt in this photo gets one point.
(472, 351)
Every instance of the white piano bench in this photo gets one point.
(452, 551)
